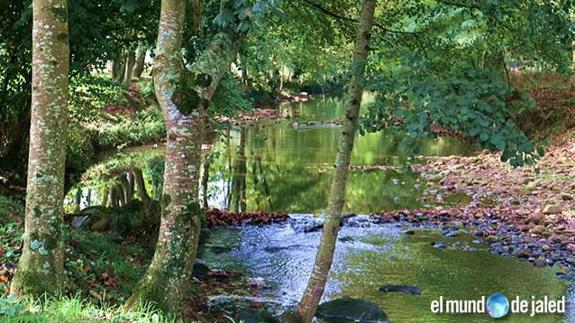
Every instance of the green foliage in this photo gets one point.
(144, 127)
(229, 98)
(9, 206)
(10, 306)
(445, 63)
(465, 99)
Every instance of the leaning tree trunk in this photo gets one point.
(167, 277)
(310, 300)
(41, 266)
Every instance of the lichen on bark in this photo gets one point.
(41, 266)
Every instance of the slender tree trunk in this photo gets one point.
(89, 198)
(127, 186)
(140, 62)
(205, 181)
(130, 62)
(310, 300)
(119, 66)
(41, 266)
(140, 185)
(78, 200)
(104, 196)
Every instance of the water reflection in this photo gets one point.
(286, 168)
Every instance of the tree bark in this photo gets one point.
(167, 277)
(140, 185)
(104, 196)
(183, 105)
(119, 66)
(140, 63)
(130, 62)
(316, 285)
(41, 266)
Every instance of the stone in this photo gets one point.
(407, 289)
(348, 309)
(255, 315)
(439, 244)
(200, 270)
(566, 197)
(531, 186)
(551, 209)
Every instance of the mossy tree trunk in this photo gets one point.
(41, 266)
(314, 291)
(184, 98)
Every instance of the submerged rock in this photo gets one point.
(255, 315)
(407, 289)
(439, 244)
(348, 309)
(200, 270)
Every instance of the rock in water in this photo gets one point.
(407, 289)
(200, 270)
(348, 309)
(254, 315)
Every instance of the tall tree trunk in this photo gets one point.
(140, 62)
(167, 277)
(310, 300)
(41, 266)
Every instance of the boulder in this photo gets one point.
(255, 315)
(348, 309)
(407, 289)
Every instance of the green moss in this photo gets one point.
(38, 282)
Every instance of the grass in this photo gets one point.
(72, 309)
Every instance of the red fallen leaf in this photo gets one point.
(4, 279)
(2, 252)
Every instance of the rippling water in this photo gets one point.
(371, 255)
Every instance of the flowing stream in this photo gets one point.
(286, 166)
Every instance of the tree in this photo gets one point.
(184, 96)
(41, 266)
(310, 300)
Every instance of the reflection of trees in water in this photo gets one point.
(236, 200)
